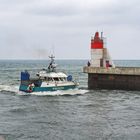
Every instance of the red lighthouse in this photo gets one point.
(99, 54)
(97, 42)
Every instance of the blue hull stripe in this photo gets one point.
(38, 89)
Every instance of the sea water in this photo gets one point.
(78, 114)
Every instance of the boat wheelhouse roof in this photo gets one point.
(52, 74)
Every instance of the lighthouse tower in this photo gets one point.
(99, 54)
(102, 73)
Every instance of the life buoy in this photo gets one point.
(30, 88)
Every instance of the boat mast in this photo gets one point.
(52, 65)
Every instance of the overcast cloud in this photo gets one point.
(32, 29)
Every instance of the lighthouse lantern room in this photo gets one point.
(99, 54)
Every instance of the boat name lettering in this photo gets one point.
(58, 88)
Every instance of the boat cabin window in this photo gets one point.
(50, 79)
(56, 79)
(63, 79)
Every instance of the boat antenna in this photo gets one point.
(52, 65)
(52, 57)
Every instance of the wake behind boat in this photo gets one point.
(47, 80)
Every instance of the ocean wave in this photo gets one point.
(69, 92)
(9, 88)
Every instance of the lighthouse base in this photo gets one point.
(115, 78)
(110, 81)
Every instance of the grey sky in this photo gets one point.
(32, 29)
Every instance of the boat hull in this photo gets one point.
(41, 89)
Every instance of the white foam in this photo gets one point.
(9, 88)
(60, 92)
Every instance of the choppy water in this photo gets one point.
(78, 114)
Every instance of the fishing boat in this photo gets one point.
(47, 80)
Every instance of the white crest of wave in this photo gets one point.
(9, 88)
(60, 92)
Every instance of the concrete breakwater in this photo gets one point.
(113, 78)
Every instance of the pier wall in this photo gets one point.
(121, 78)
